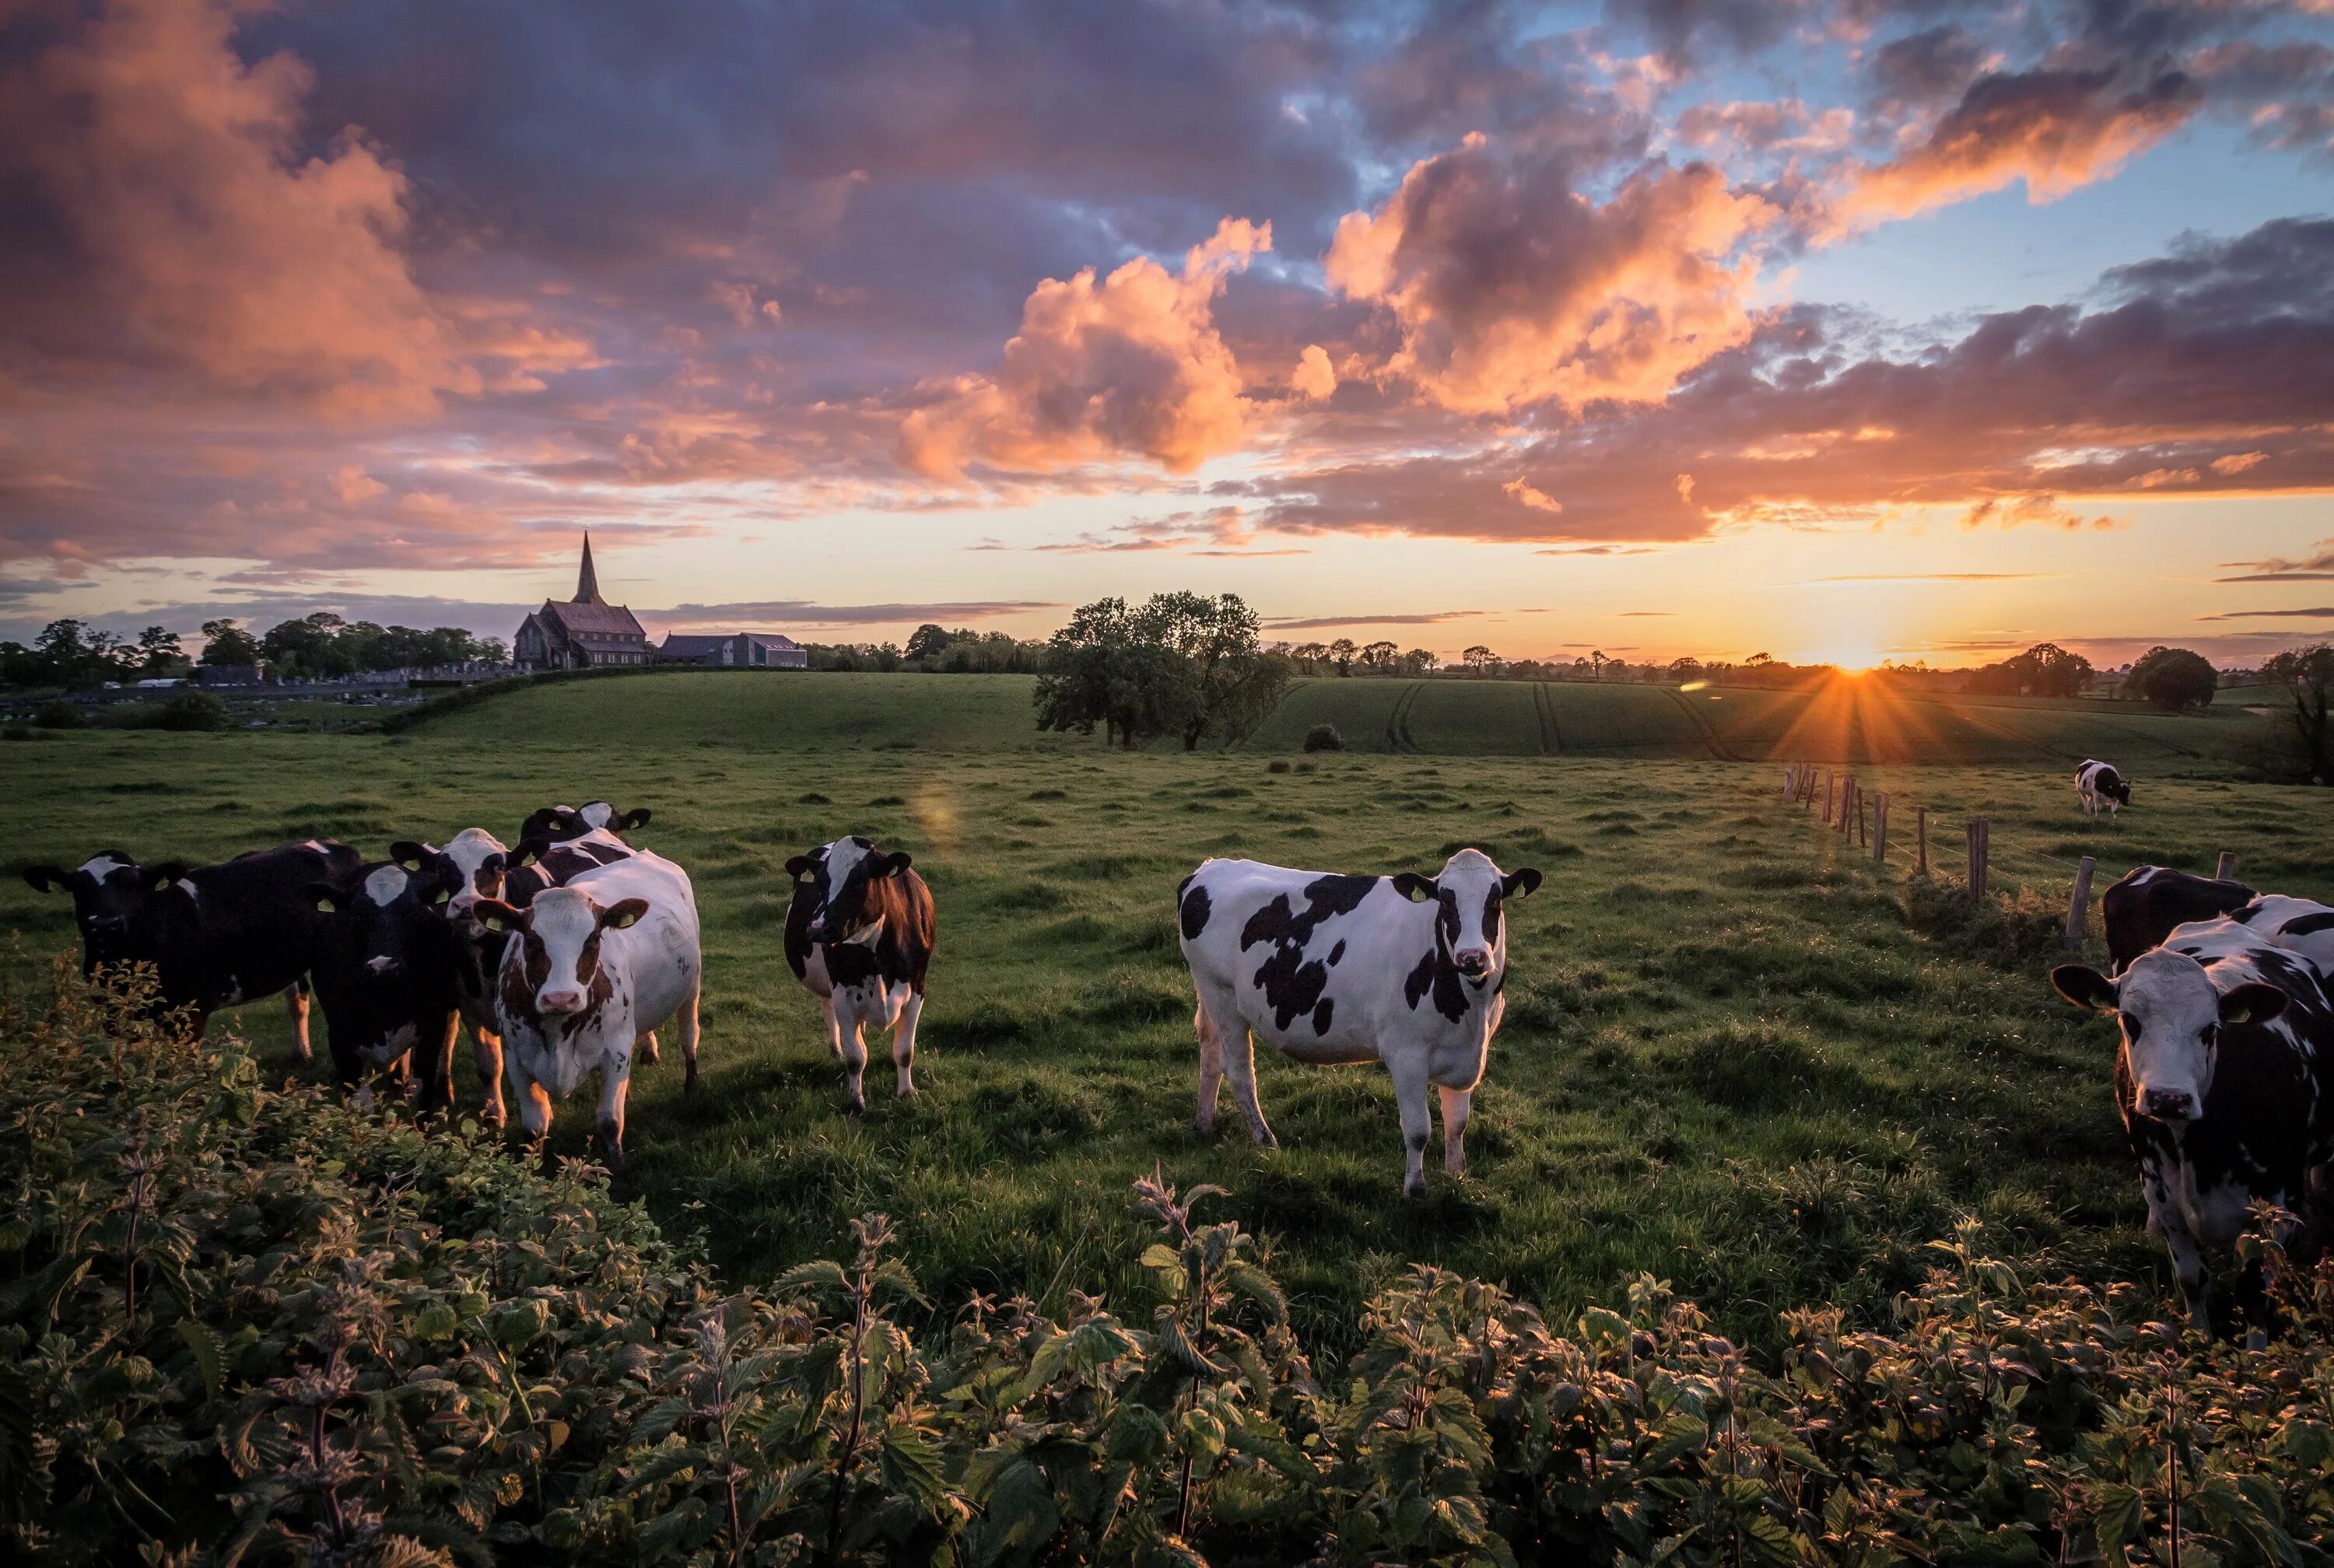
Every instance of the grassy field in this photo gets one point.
(1730, 1057)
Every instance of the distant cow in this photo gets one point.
(2220, 1081)
(387, 971)
(590, 967)
(1403, 970)
(2143, 908)
(478, 867)
(216, 936)
(2099, 785)
(859, 935)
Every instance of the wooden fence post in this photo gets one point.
(2078, 908)
(1981, 832)
(1880, 829)
(2227, 868)
(1921, 841)
(1829, 805)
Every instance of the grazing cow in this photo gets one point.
(388, 973)
(859, 935)
(2143, 909)
(216, 936)
(2219, 1079)
(479, 867)
(590, 969)
(556, 825)
(1352, 968)
(2099, 785)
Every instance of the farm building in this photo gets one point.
(733, 650)
(583, 633)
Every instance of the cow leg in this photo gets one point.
(1238, 1050)
(437, 1081)
(1456, 1105)
(2188, 1263)
(295, 1004)
(487, 1051)
(615, 1079)
(904, 1043)
(534, 1106)
(644, 1046)
(1417, 1121)
(851, 1045)
(686, 1022)
(1212, 1071)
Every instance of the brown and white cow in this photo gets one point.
(1405, 969)
(590, 967)
(859, 935)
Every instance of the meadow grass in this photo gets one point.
(1730, 1057)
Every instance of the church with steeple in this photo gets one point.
(586, 633)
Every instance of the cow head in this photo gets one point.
(844, 878)
(557, 973)
(110, 893)
(1471, 889)
(474, 858)
(2171, 1017)
(385, 927)
(557, 825)
(2120, 791)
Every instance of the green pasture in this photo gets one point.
(1728, 1058)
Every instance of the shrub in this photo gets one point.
(59, 714)
(1275, 766)
(241, 1324)
(192, 710)
(1323, 737)
(2008, 929)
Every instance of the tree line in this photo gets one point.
(69, 654)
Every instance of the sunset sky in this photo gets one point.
(1835, 328)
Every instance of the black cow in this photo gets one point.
(389, 970)
(2219, 1079)
(216, 936)
(859, 936)
(556, 825)
(2141, 910)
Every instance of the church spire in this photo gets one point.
(587, 581)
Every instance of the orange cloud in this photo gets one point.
(178, 224)
(1131, 365)
(1511, 289)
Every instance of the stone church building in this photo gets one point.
(586, 633)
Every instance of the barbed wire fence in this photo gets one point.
(1867, 820)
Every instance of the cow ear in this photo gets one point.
(410, 853)
(617, 917)
(527, 850)
(638, 817)
(45, 879)
(1414, 887)
(323, 898)
(496, 916)
(1520, 884)
(2255, 1002)
(163, 874)
(2083, 986)
(895, 863)
(799, 866)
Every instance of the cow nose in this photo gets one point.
(1473, 961)
(561, 1001)
(105, 922)
(382, 965)
(2168, 1104)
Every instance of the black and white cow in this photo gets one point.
(590, 969)
(2220, 1082)
(216, 936)
(2301, 926)
(859, 935)
(2099, 785)
(479, 866)
(387, 971)
(556, 825)
(539, 861)
(1405, 971)
(2144, 906)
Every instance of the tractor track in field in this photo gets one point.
(1708, 731)
(1397, 730)
(1551, 734)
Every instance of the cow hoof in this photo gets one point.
(688, 1084)
(1414, 1189)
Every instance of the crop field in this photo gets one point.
(1732, 1056)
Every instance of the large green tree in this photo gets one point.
(225, 642)
(2306, 675)
(1179, 664)
(2174, 679)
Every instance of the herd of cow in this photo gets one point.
(566, 954)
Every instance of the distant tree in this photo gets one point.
(1181, 664)
(2306, 676)
(1418, 661)
(1596, 664)
(159, 653)
(309, 645)
(2174, 679)
(1381, 656)
(1342, 654)
(225, 642)
(1479, 660)
(927, 642)
(2050, 671)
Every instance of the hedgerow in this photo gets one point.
(241, 1323)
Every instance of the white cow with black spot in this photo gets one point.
(1405, 969)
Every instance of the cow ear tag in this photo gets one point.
(325, 906)
(442, 896)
